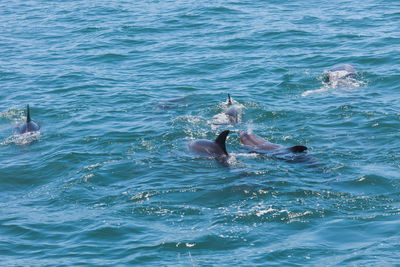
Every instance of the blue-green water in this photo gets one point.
(121, 87)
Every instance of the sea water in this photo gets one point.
(121, 87)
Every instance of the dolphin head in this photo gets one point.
(340, 73)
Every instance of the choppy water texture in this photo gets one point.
(121, 87)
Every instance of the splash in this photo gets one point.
(223, 118)
(337, 83)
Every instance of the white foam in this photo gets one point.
(339, 85)
(21, 139)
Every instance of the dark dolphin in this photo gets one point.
(340, 72)
(215, 148)
(29, 125)
(232, 112)
(263, 146)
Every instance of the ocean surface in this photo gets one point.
(121, 87)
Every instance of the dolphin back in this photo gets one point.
(344, 67)
(29, 125)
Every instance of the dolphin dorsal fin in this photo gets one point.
(229, 99)
(297, 149)
(220, 140)
(28, 115)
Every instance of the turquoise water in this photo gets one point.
(121, 87)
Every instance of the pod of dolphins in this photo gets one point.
(217, 147)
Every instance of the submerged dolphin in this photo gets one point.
(29, 125)
(340, 72)
(260, 144)
(215, 148)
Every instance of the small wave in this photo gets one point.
(346, 85)
(320, 90)
(188, 119)
(267, 213)
(21, 139)
(14, 115)
(220, 119)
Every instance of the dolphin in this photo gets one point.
(293, 154)
(232, 112)
(340, 76)
(29, 125)
(214, 148)
(340, 72)
(254, 141)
